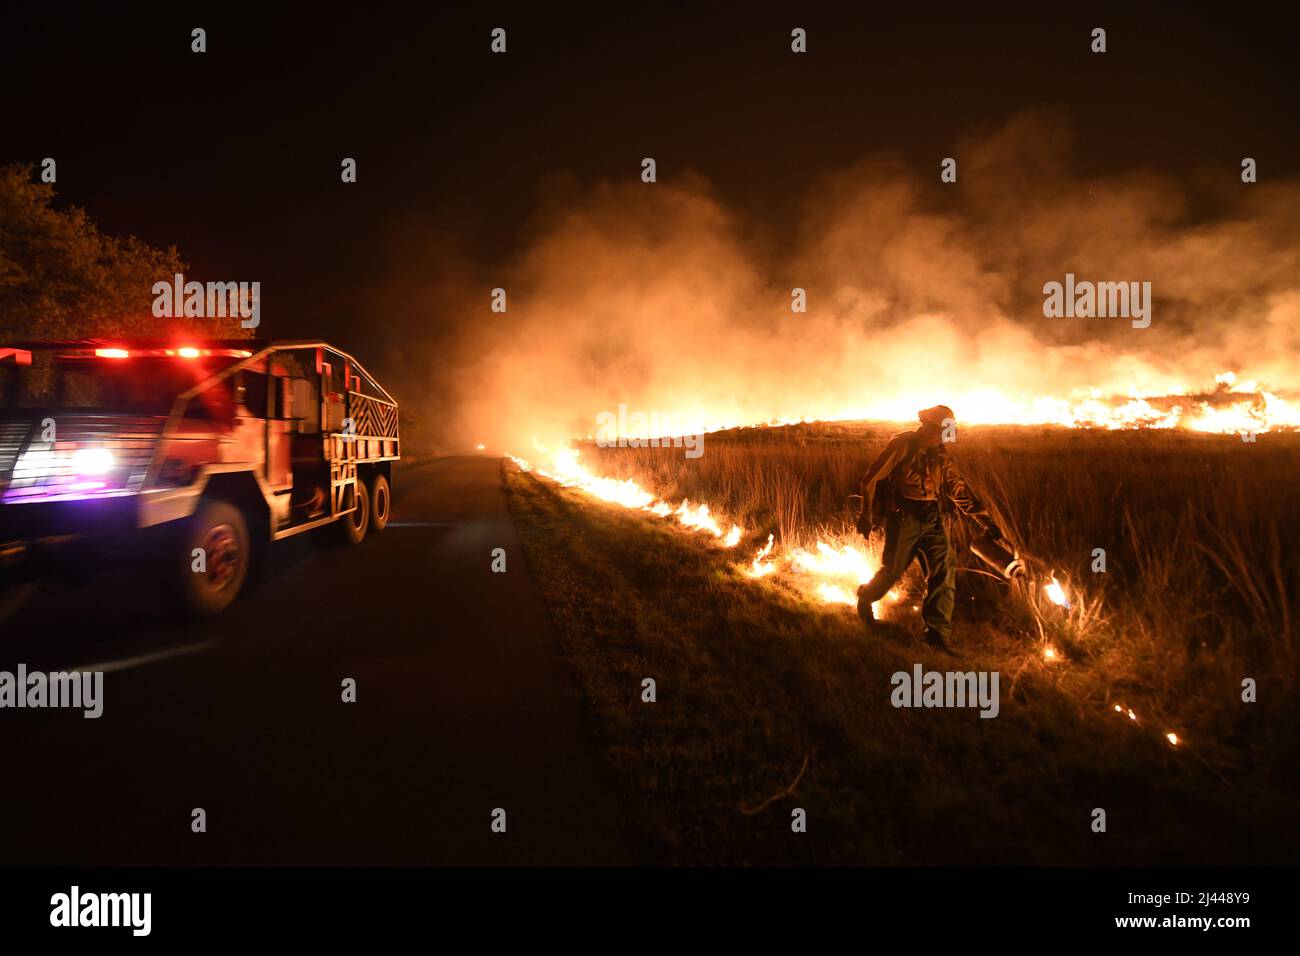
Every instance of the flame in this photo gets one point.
(563, 467)
(1229, 406)
(845, 562)
(699, 517)
(1056, 593)
(834, 594)
(830, 572)
(833, 571)
(761, 567)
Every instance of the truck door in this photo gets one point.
(258, 396)
(280, 429)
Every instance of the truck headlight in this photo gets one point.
(92, 461)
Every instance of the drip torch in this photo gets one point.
(1007, 562)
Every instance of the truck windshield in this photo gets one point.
(143, 385)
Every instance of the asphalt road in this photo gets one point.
(464, 705)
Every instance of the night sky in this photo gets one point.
(234, 155)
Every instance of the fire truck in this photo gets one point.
(192, 455)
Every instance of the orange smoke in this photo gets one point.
(665, 297)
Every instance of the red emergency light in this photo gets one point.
(185, 351)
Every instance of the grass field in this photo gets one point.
(754, 677)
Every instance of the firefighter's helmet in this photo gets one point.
(936, 415)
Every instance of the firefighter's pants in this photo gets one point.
(917, 530)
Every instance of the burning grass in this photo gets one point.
(1192, 526)
(1198, 593)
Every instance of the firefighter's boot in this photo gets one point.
(864, 610)
(938, 642)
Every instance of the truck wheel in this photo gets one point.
(353, 527)
(220, 530)
(380, 499)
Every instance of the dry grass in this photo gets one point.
(1202, 572)
(769, 699)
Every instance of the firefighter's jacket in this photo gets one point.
(908, 470)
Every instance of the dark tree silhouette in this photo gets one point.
(61, 277)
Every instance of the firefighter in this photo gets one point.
(907, 490)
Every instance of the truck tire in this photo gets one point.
(380, 503)
(219, 528)
(353, 527)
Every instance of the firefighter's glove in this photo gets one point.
(865, 524)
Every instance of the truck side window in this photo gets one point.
(305, 405)
(251, 392)
(212, 404)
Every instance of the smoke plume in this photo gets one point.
(662, 297)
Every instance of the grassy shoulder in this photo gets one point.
(755, 684)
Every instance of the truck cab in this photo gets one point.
(196, 454)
